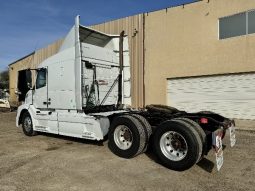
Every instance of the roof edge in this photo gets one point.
(21, 58)
(147, 12)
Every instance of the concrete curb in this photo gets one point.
(245, 125)
(252, 130)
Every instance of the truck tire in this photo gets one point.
(27, 125)
(177, 145)
(147, 129)
(196, 133)
(127, 137)
(201, 133)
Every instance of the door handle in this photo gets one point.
(44, 103)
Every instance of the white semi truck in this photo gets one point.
(84, 91)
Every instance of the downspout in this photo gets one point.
(143, 104)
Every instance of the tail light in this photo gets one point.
(203, 120)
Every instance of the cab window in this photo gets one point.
(41, 78)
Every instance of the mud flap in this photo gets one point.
(232, 135)
(217, 143)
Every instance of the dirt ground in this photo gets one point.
(47, 162)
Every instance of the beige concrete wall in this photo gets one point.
(13, 74)
(133, 27)
(183, 41)
(31, 61)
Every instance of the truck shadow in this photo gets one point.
(205, 164)
(71, 140)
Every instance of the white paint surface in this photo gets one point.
(232, 96)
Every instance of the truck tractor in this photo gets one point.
(83, 91)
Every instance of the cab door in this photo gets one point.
(40, 99)
(46, 119)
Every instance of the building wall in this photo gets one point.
(133, 27)
(31, 61)
(174, 42)
(183, 41)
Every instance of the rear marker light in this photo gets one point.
(204, 120)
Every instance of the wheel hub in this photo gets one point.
(28, 124)
(176, 144)
(127, 135)
(123, 137)
(173, 145)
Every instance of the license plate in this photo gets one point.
(232, 134)
(217, 142)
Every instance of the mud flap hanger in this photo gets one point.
(217, 144)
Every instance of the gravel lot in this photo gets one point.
(47, 162)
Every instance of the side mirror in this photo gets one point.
(29, 78)
(29, 85)
(17, 92)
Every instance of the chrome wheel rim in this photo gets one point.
(28, 124)
(123, 137)
(173, 145)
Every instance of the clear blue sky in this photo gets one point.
(27, 25)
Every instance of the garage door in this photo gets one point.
(230, 95)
